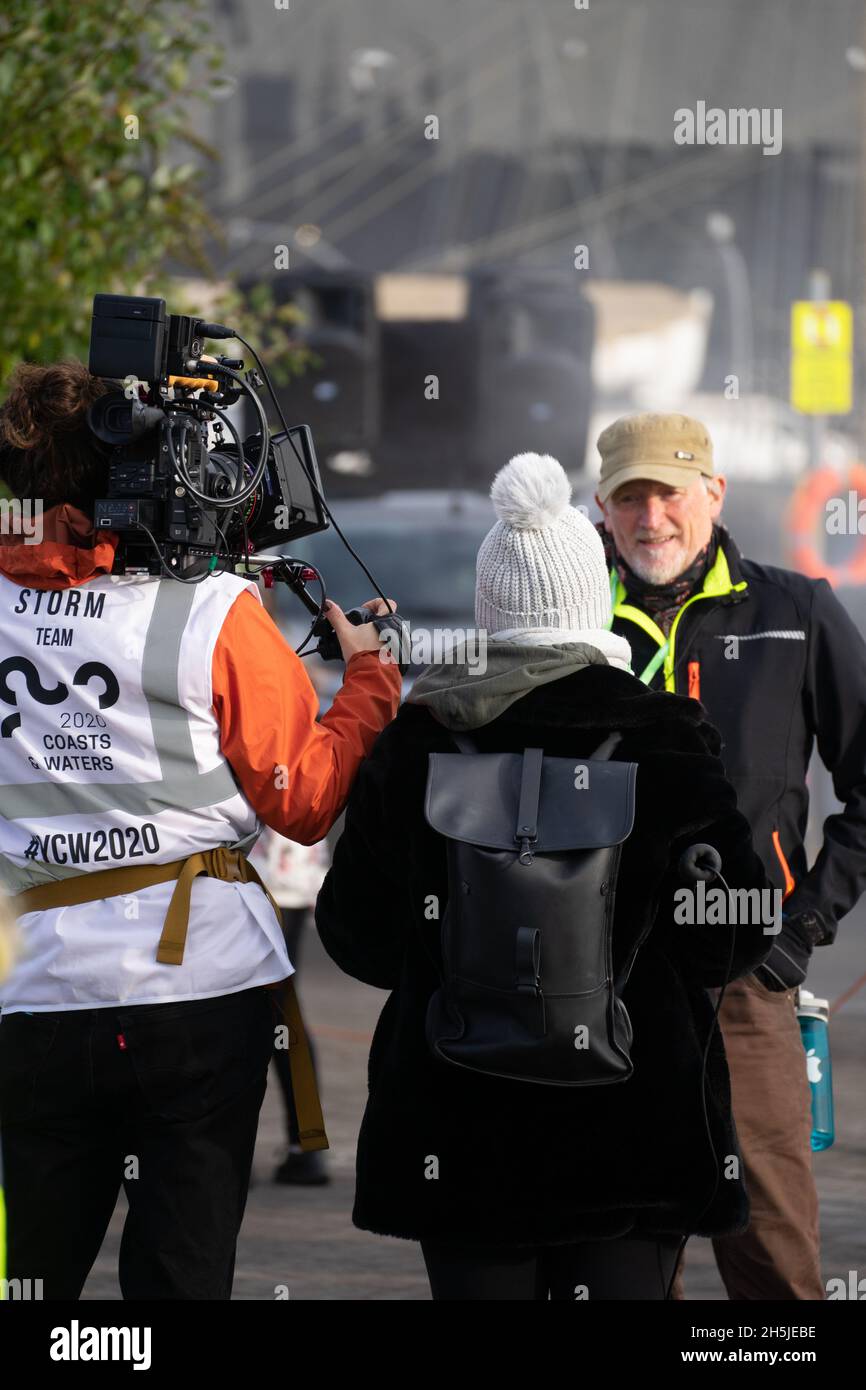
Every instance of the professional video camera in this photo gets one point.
(172, 497)
(182, 504)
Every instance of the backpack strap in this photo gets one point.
(527, 810)
(606, 747)
(463, 742)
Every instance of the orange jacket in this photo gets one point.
(296, 772)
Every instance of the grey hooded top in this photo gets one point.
(466, 696)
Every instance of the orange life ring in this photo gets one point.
(807, 512)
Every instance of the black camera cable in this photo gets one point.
(218, 330)
(704, 862)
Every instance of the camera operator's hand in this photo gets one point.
(364, 637)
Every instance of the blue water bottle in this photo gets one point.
(814, 1016)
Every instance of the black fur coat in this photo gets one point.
(448, 1154)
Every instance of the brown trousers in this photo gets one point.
(777, 1256)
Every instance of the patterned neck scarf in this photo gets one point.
(662, 602)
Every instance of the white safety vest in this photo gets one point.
(109, 757)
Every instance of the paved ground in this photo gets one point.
(305, 1239)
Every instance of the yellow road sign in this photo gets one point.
(822, 338)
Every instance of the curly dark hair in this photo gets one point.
(46, 448)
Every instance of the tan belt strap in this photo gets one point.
(230, 866)
(308, 1108)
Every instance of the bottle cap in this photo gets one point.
(808, 1006)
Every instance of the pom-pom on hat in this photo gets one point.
(541, 567)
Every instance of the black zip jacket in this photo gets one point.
(797, 674)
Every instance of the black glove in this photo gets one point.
(788, 961)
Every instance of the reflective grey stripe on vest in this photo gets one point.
(180, 785)
(16, 877)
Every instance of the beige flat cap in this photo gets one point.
(670, 449)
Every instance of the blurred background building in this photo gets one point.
(498, 244)
(432, 168)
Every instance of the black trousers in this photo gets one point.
(162, 1098)
(625, 1268)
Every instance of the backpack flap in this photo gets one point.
(582, 803)
(533, 848)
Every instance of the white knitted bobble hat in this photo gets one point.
(541, 567)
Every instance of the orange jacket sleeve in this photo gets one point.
(296, 773)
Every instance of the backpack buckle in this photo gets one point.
(527, 810)
(526, 856)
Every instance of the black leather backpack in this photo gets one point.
(534, 846)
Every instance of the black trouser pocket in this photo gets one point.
(202, 1058)
(26, 1041)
